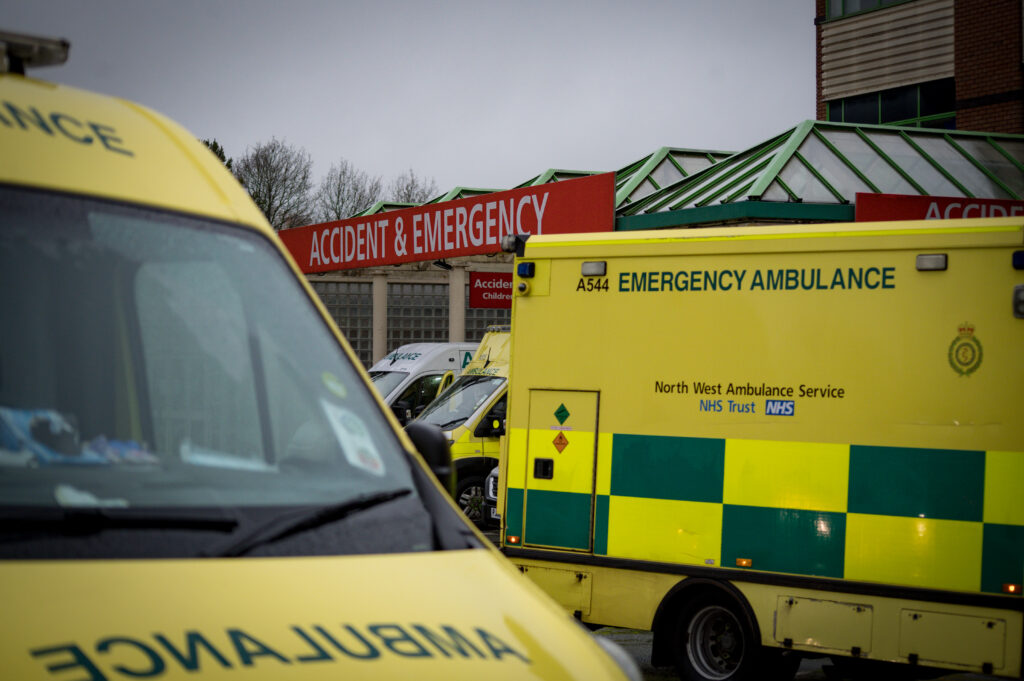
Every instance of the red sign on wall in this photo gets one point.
(490, 289)
(880, 207)
(470, 226)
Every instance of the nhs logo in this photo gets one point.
(779, 407)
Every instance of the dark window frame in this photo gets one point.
(937, 116)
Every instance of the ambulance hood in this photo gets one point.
(440, 615)
(66, 139)
(492, 357)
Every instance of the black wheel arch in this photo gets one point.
(672, 604)
(474, 465)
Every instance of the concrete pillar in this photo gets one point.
(380, 317)
(457, 305)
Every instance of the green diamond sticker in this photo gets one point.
(561, 414)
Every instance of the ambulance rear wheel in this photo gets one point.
(714, 641)
(469, 495)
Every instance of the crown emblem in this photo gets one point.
(965, 353)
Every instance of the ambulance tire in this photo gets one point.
(714, 641)
(469, 495)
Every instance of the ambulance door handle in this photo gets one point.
(544, 469)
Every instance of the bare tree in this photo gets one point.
(346, 191)
(408, 188)
(278, 177)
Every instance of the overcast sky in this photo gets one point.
(470, 93)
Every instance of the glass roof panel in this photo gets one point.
(966, 173)
(997, 164)
(832, 168)
(692, 164)
(867, 160)
(720, 173)
(804, 184)
(915, 165)
(666, 173)
(775, 193)
(642, 190)
(1014, 148)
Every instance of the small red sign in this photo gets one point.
(450, 229)
(882, 207)
(490, 289)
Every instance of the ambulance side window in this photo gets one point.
(421, 392)
(495, 415)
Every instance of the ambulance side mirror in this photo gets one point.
(402, 411)
(490, 428)
(433, 446)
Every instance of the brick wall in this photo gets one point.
(989, 73)
(819, 16)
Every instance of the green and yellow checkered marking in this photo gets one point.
(933, 518)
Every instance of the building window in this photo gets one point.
(924, 105)
(843, 8)
(479, 318)
(350, 304)
(417, 313)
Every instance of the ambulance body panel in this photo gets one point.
(135, 154)
(272, 618)
(818, 433)
(416, 373)
(197, 479)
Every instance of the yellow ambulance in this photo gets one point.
(816, 447)
(471, 412)
(197, 480)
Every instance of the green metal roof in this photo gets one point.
(384, 207)
(829, 163)
(555, 175)
(457, 193)
(665, 167)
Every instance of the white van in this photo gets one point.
(410, 377)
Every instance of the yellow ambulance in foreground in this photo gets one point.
(471, 412)
(816, 447)
(196, 479)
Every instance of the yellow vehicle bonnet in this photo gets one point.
(62, 138)
(491, 358)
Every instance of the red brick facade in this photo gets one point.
(819, 16)
(988, 64)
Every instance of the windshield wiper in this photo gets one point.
(87, 520)
(301, 520)
(452, 424)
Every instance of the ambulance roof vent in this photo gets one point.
(19, 51)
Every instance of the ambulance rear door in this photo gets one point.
(558, 504)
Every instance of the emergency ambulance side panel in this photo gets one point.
(798, 403)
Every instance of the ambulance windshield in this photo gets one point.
(386, 381)
(155, 361)
(460, 401)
